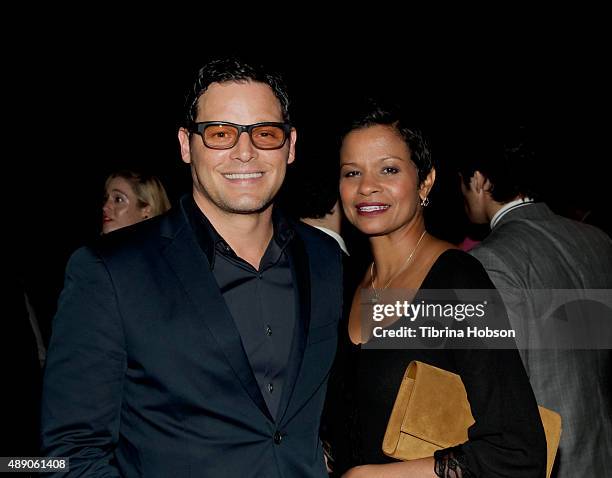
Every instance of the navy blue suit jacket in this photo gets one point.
(146, 374)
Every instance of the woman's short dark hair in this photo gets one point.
(373, 112)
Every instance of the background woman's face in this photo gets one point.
(378, 180)
(120, 207)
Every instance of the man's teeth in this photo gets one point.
(373, 208)
(243, 175)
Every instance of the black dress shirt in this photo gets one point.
(261, 302)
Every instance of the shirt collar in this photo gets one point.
(336, 236)
(208, 238)
(506, 208)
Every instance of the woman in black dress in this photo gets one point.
(386, 176)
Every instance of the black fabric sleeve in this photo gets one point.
(507, 438)
(84, 373)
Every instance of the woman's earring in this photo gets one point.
(425, 202)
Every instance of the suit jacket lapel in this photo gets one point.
(301, 279)
(193, 270)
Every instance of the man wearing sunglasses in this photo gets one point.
(199, 343)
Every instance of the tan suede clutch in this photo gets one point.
(432, 412)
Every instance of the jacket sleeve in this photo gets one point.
(86, 363)
(507, 438)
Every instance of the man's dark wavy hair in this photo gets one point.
(238, 70)
(505, 155)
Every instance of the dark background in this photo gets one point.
(105, 90)
(89, 88)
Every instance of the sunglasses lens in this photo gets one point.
(268, 137)
(220, 136)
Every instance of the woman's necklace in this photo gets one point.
(377, 292)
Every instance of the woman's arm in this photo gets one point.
(422, 468)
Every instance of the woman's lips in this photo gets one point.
(371, 208)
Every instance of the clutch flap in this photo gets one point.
(438, 410)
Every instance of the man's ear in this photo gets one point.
(183, 137)
(292, 140)
(480, 183)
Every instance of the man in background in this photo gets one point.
(529, 249)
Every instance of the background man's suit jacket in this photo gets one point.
(533, 248)
(146, 373)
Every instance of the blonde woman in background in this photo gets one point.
(131, 197)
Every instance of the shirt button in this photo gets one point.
(268, 330)
(278, 438)
(270, 387)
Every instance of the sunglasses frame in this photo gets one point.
(198, 128)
